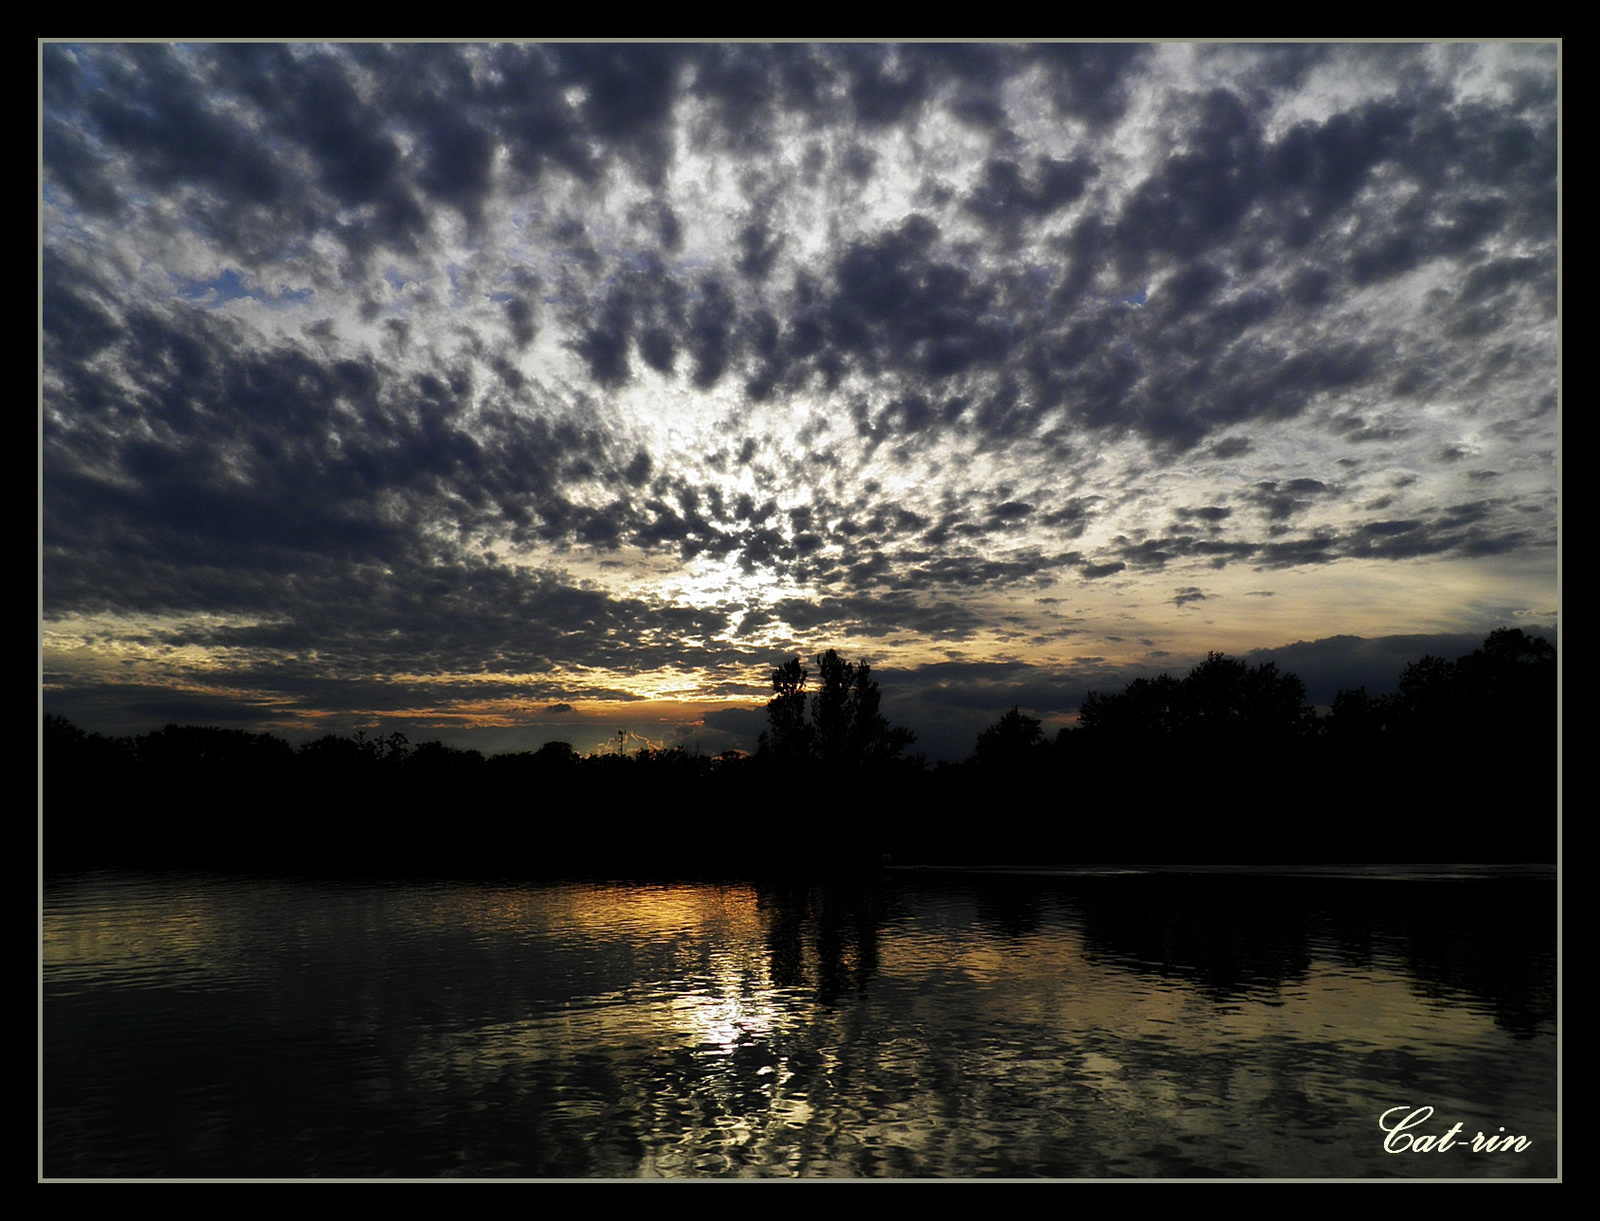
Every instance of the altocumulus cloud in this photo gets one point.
(448, 385)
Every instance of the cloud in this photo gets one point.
(409, 368)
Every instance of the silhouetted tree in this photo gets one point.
(1221, 698)
(1224, 730)
(333, 756)
(1513, 674)
(436, 763)
(788, 736)
(846, 728)
(1430, 693)
(556, 755)
(1356, 718)
(77, 757)
(1479, 733)
(1012, 741)
(196, 752)
(1147, 707)
(1224, 763)
(1503, 688)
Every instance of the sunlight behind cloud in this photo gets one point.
(514, 359)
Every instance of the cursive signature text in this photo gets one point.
(1400, 1124)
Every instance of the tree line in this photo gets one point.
(1227, 758)
(1459, 762)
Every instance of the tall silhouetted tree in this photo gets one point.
(846, 729)
(849, 729)
(788, 737)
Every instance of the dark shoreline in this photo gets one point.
(393, 830)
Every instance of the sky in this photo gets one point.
(512, 393)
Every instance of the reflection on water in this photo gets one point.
(1132, 1025)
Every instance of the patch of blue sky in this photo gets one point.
(230, 285)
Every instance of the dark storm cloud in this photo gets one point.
(390, 129)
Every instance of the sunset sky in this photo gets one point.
(508, 393)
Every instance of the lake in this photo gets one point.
(912, 1023)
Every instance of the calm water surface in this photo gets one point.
(1126, 1024)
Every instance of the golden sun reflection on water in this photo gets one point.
(688, 1030)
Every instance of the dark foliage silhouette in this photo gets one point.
(846, 730)
(1015, 740)
(788, 737)
(1226, 763)
(1220, 699)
